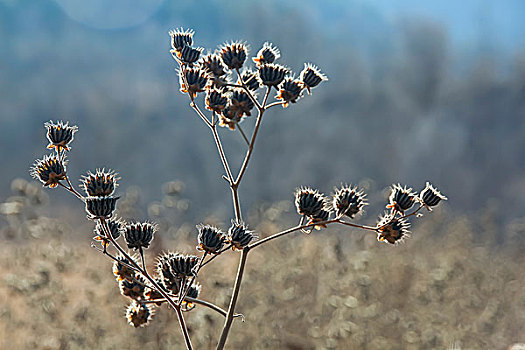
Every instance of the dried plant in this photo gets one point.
(229, 90)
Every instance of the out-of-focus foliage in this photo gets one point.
(447, 287)
(405, 102)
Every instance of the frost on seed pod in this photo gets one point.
(348, 201)
(430, 196)
(239, 236)
(391, 229)
(272, 74)
(168, 280)
(215, 100)
(116, 227)
(121, 270)
(190, 55)
(311, 76)
(182, 265)
(133, 288)
(309, 202)
(60, 134)
(401, 198)
(249, 79)
(196, 80)
(49, 170)
(289, 91)
(241, 103)
(181, 38)
(234, 54)
(139, 235)
(139, 314)
(99, 184)
(210, 239)
(267, 54)
(213, 65)
(100, 207)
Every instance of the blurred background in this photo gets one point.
(418, 91)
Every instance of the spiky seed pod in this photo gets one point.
(391, 229)
(116, 227)
(311, 76)
(272, 74)
(267, 54)
(139, 314)
(215, 100)
(169, 281)
(196, 79)
(181, 38)
(154, 294)
(100, 207)
(234, 54)
(249, 78)
(49, 170)
(182, 265)
(60, 134)
(229, 118)
(133, 288)
(241, 103)
(348, 201)
(401, 198)
(430, 196)
(190, 55)
(289, 91)
(239, 236)
(140, 234)
(309, 202)
(210, 239)
(122, 271)
(213, 65)
(100, 184)
(193, 292)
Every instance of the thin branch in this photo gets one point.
(248, 92)
(278, 103)
(187, 286)
(216, 255)
(71, 189)
(243, 134)
(233, 301)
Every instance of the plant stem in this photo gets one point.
(233, 301)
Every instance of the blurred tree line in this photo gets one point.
(402, 104)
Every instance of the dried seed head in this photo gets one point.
(348, 201)
(219, 83)
(210, 239)
(193, 292)
(229, 118)
(139, 235)
(60, 134)
(196, 79)
(100, 207)
(133, 288)
(212, 64)
(234, 54)
(154, 294)
(122, 271)
(311, 76)
(190, 55)
(267, 54)
(401, 198)
(322, 216)
(239, 236)
(241, 103)
(182, 265)
(100, 184)
(139, 314)
(309, 202)
(391, 229)
(49, 170)
(430, 196)
(168, 280)
(249, 78)
(215, 100)
(116, 227)
(272, 74)
(289, 91)
(181, 38)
